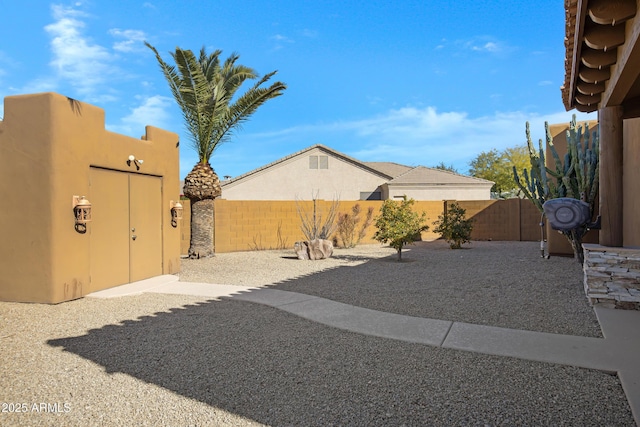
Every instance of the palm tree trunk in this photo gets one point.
(202, 244)
(202, 186)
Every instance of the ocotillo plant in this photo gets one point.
(575, 176)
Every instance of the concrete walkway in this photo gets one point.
(617, 353)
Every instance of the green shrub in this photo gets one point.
(454, 227)
(398, 224)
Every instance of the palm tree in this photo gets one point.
(205, 90)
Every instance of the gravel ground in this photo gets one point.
(504, 284)
(182, 360)
(155, 360)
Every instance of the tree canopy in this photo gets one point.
(444, 167)
(398, 224)
(497, 166)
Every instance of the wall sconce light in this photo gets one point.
(81, 213)
(176, 212)
(136, 162)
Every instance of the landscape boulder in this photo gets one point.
(314, 249)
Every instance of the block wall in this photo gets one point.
(252, 225)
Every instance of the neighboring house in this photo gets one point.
(321, 172)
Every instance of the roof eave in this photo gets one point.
(577, 50)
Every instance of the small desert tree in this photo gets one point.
(348, 229)
(398, 224)
(317, 224)
(454, 227)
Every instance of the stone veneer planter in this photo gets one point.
(612, 276)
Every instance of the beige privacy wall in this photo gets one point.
(631, 183)
(53, 147)
(250, 225)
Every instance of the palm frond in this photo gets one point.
(205, 90)
(244, 107)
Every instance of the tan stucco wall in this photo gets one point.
(631, 183)
(440, 192)
(48, 144)
(293, 179)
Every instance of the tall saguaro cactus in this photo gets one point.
(575, 176)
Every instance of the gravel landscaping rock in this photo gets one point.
(155, 360)
(504, 284)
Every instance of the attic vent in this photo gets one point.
(324, 162)
(318, 162)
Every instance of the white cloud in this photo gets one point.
(151, 111)
(133, 40)
(42, 84)
(427, 137)
(489, 47)
(423, 136)
(281, 38)
(280, 41)
(481, 44)
(76, 59)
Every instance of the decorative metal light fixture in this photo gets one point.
(81, 213)
(137, 162)
(176, 212)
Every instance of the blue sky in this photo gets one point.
(409, 81)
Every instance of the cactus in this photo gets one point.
(575, 176)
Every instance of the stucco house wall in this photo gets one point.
(294, 178)
(50, 146)
(631, 183)
(439, 192)
(327, 174)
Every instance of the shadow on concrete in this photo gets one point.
(278, 369)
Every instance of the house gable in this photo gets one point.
(321, 172)
(316, 171)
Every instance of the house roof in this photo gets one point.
(389, 168)
(324, 148)
(425, 175)
(596, 73)
(394, 173)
